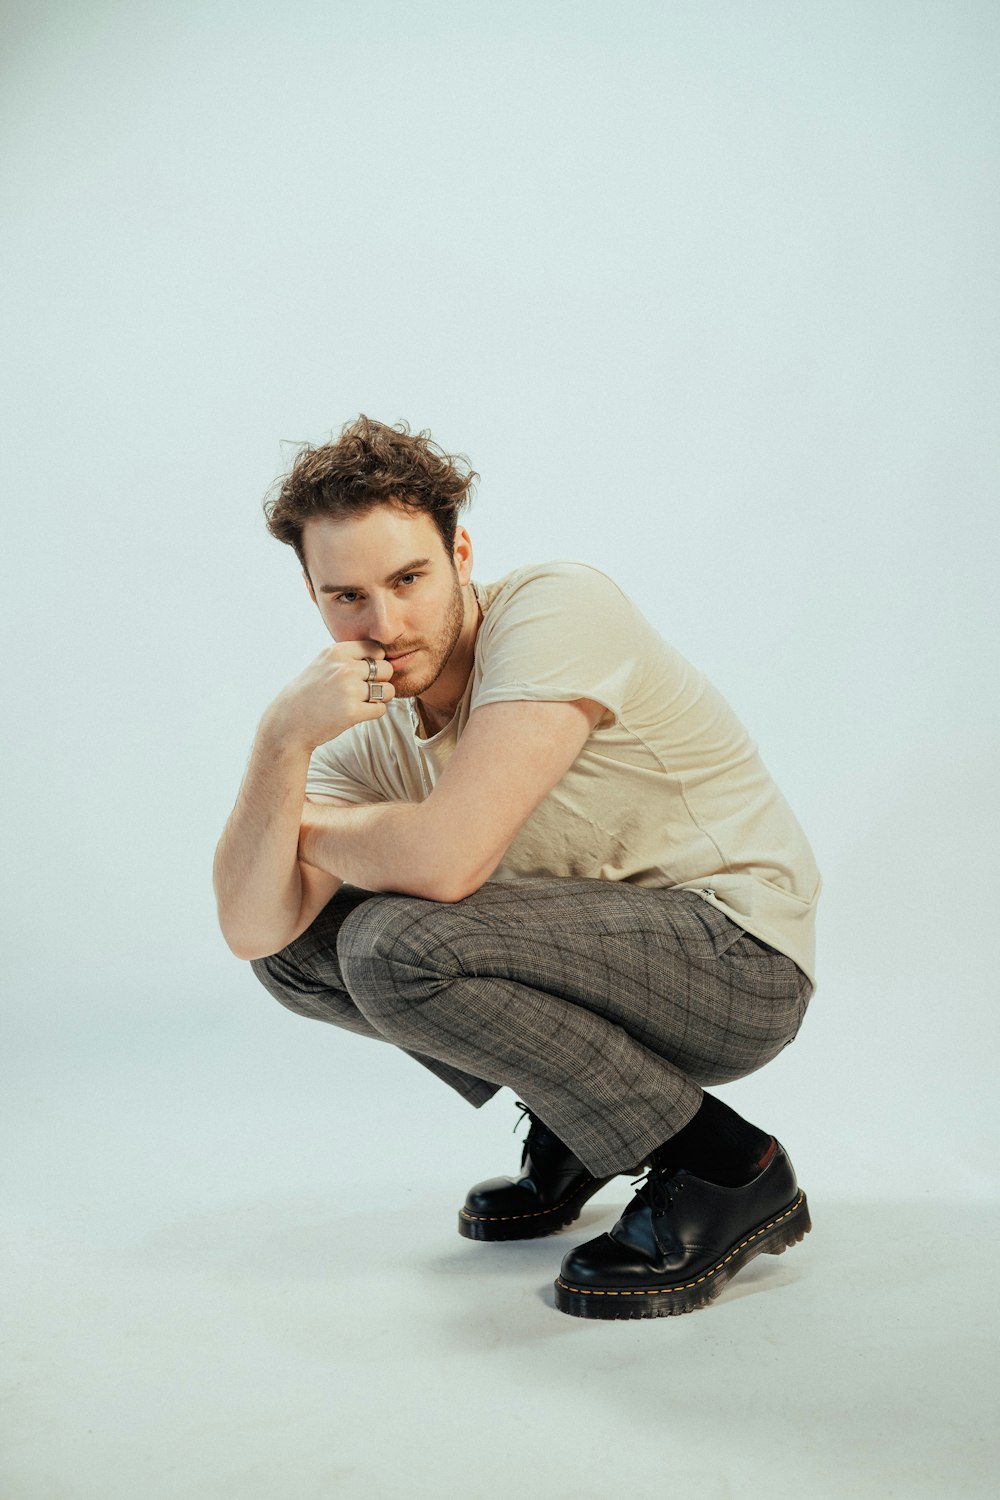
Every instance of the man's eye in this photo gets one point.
(412, 576)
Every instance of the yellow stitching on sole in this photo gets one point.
(536, 1213)
(590, 1291)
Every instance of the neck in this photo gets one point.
(441, 699)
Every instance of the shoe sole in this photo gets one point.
(773, 1237)
(528, 1226)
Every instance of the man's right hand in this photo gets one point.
(330, 696)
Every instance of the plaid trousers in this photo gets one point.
(604, 1005)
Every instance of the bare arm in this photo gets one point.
(264, 897)
(261, 891)
(509, 758)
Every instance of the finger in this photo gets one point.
(374, 708)
(383, 669)
(357, 650)
(370, 648)
(386, 694)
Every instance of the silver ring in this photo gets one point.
(376, 692)
(372, 668)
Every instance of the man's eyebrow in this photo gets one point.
(349, 588)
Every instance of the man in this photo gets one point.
(509, 829)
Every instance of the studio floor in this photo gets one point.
(220, 1285)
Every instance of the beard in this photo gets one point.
(437, 651)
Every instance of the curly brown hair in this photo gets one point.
(370, 464)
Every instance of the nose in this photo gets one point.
(384, 620)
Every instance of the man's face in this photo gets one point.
(386, 577)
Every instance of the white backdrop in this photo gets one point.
(708, 295)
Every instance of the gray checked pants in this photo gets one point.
(604, 1005)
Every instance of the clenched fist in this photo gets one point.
(331, 695)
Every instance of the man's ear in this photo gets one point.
(462, 555)
(312, 591)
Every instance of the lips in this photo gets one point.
(403, 657)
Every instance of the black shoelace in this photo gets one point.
(658, 1188)
(538, 1135)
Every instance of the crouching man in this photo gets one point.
(509, 829)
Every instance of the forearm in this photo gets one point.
(387, 847)
(258, 886)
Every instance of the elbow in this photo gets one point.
(446, 894)
(248, 951)
(438, 866)
(249, 946)
(449, 888)
(245, 936)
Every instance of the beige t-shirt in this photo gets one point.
(668, 790)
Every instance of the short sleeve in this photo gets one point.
(345, 768)
(557, 632)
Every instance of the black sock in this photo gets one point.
(717, 1144)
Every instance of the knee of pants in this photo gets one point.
(393, 955)
(284, 979)
(281, 980)
(272, 974)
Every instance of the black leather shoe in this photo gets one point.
(550, 1193)
(680, 1240)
